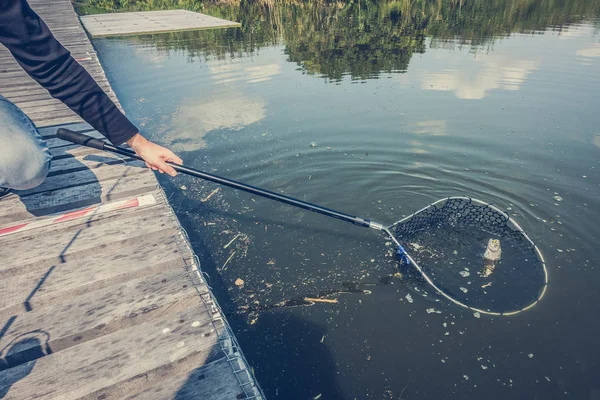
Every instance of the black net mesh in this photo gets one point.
(474, 254)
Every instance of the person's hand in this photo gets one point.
(155, 156)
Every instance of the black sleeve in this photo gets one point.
(39, 53)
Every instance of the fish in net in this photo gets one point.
(473, 254)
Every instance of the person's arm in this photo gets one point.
(38, 52)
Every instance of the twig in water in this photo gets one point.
(402, 392)
(232, 240)
(315, 300)
(226, 262)
(204, 200)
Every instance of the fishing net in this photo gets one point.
(473, 254)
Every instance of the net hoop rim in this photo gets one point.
(447, 296)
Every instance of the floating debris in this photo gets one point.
(227, 262)
(232, 240)
(204, 200)
(476, 314)
(239, 282)
(317, 300)
(409, 298)
(313, 144)
(415, 246)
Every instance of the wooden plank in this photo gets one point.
(95, 313)
(205, 382)
(50, 131)
(84, 54)
(57, 120)
(26, 83)
(125, 355)
(63, 282)
(72, 150)
(123, 247)
(22, 250)
(88, 176)
(15, 208)
(93, 161)
(76, 224)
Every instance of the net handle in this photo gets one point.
(85, 140)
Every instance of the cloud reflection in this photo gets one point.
(227, 107)
(237, 72)
(231, 110)
(491, 72)
(589, 52)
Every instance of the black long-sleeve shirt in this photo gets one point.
(36, 49)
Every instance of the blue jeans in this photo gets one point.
(24, 156)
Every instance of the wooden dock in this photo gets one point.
(101, 296)
(146, 22)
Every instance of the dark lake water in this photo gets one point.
(406, 104)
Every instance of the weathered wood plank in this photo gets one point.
(122, 247)
(80, 176)
(15, 208)
(95, 313)
(125, 355)
(205, 382)
(72, 150)
(90, 161)
(76, 223)
(62, 245)
(50, 131)
(63, 282)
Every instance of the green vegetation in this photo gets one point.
(361, 38)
